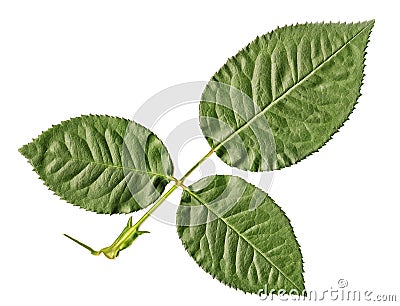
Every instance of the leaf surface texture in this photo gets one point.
(298, 83)
(236, 232)
(102, 164)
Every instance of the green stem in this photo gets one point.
(131, 232)
(148, 213)
(196, 165)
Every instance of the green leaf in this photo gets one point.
(283, 96)
(236, 232)
(102, 164)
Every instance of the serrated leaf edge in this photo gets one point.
(187, 189)
(368, 24)
(20, 150)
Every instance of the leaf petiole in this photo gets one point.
(131, 232)
(124, 240)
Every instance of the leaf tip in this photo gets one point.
(21, 150)
(27, 150)
(369, 24)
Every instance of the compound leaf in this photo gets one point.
(236, 232)
(102, 164)
(283, 96)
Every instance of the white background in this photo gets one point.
(61, 59)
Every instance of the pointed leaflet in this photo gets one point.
(102, 164)
(298, 83)
(236, 232)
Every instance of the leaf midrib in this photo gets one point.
(290, 89)
(243, 237)
(118, 167)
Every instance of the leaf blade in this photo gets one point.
(89, 161)
(303, 82)
(244, 246)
